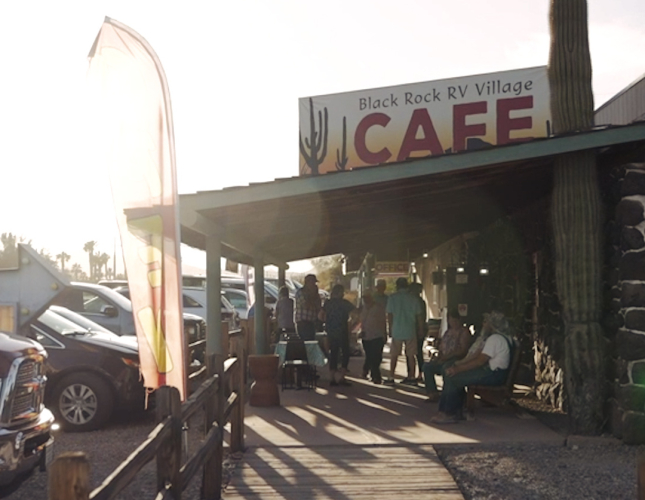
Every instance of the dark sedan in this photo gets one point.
(91, 371)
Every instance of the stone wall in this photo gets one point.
(626, 326)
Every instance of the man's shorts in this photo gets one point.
(396, 347)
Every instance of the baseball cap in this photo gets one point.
(311, 277)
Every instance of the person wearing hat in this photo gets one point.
(307, 308)
(486, 367)
(405, 320)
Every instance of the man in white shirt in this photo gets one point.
(489, 367)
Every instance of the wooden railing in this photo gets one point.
(221, 397)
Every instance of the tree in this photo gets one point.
(89, 248)
(101, 261)
(329, 269)
(63, 257)
(577, 218)
(77, 271)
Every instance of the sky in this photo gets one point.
(235, 72)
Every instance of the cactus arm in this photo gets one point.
(342, 163)
(324, 141)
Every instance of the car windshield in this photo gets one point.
(59, 324)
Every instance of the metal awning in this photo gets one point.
(396, 210)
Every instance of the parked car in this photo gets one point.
(25, 423)
(270, 290)
(91, 371)
(294, 286)
(194, 304)
(113, 310)
(113, 283)
(238, 299)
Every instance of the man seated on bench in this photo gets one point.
(488, 367)
(453, 345)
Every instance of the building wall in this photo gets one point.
(625, 107)
(627, 325)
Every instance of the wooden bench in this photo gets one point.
(497, 395)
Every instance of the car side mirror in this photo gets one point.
(110, 311)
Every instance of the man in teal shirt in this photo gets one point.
(404, 317)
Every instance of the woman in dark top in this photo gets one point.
(335, 314)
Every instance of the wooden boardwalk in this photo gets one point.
(341, 473)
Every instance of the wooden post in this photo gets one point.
(212, 474)
(237, 417)
(640, 476)
(169, 454)
(69, 477)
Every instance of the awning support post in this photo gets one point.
(259, 318)
(213, 295)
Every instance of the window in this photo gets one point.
(190, 302)
(237, 299)
(92, 303)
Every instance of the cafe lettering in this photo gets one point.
(394, 124)
(421, 135)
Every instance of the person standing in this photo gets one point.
(380, 295)
(284, 311)
(405, 322)
(307, 308)
(374, 334)
(335, 314)
(416, 289)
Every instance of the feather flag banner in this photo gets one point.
(135, 130)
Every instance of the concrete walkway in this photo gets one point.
(329, 438)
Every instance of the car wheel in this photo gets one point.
(82, 402)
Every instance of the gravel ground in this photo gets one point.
(106, 449)
(581, 468)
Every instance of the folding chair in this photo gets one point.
(296, 370)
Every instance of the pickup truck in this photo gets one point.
(25, 423)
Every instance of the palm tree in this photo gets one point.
(76, 271)
(63, 257)
(89, 248)
(101, 261)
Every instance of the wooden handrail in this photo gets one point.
(138, 459)
(163, 441)
(229, 405)
(194, 403)
(213, 439)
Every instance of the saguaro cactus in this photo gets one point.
(316, 143)
(341, 158)
(577, 219)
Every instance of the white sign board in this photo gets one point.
(394, 124)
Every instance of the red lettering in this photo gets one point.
(461, 131)
(429, 142)
(505, 123)
(367, 156)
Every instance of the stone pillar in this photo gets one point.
(628, 302)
